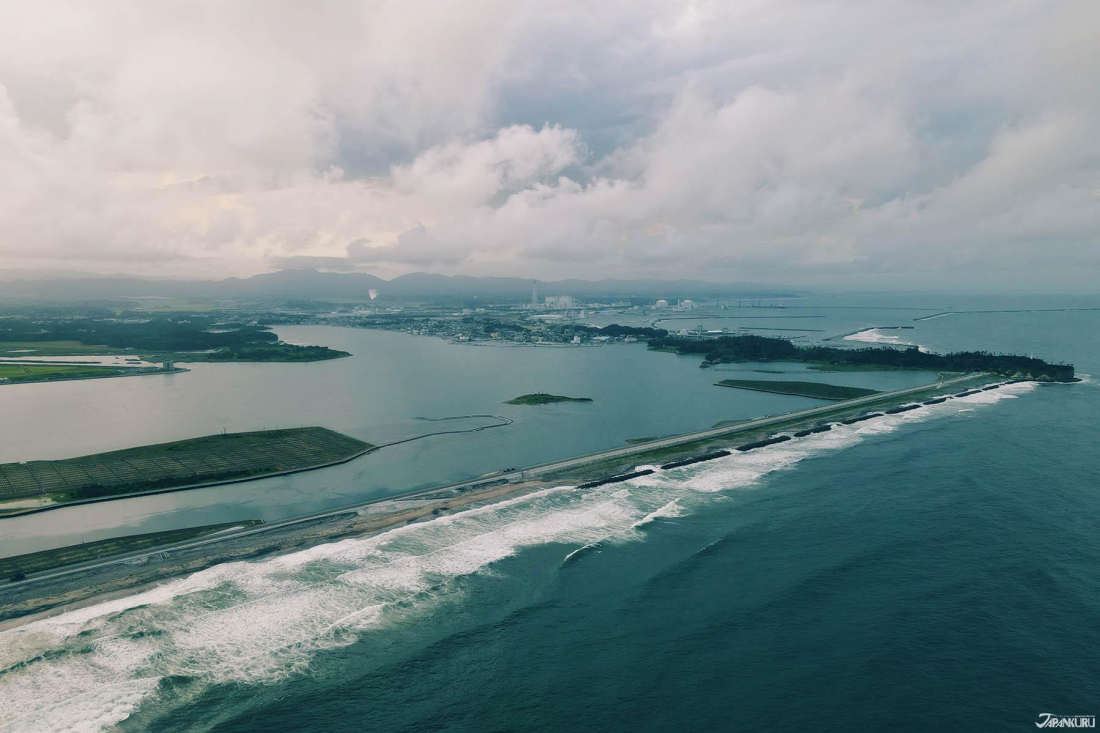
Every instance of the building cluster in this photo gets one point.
(559, 302)
(681, 305)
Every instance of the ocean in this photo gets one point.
(930, 570)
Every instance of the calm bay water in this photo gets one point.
(933, 570)
(375, 395)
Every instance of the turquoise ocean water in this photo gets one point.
(932, 570)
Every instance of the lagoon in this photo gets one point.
(376, 395)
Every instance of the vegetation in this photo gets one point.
(183, 336)
(729, 349)
(861, 368)
(542, 398)
(212, 459)
(270, 352)
(801, 389)
(31, 349)
(38, 562)
(616, 330)
(145, 333)
(14, 373)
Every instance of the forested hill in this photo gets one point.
(728, 349)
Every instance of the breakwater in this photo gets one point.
(861, 418)
(616, 479)
(903, 408)
(763, 443)
(697, 459)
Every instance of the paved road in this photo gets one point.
(511, 475)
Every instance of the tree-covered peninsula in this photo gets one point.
(732, 349)
(180, 337)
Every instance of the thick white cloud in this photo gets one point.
(826, 143)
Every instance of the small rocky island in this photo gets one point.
(542, 398)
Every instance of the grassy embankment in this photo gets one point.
(38, 562)
(542, 398)
(816, 390)
(168, 466)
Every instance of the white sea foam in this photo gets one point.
(251, 622)
(98, 709)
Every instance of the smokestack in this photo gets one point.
(534, 293)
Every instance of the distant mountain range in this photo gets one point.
(334, 286)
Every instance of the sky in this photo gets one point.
(932, 144)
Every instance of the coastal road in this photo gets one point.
(508, 476)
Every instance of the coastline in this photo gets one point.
(128, 575)
(81, 585)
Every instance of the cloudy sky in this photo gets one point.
(925, 144)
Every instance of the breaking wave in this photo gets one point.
(250, 622)
(668, 511)
(876, 336)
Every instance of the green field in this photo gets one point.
(49, 372)
(30, 349)
(211, 459)
(37, 562)
(799, 389)
(541, 398)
